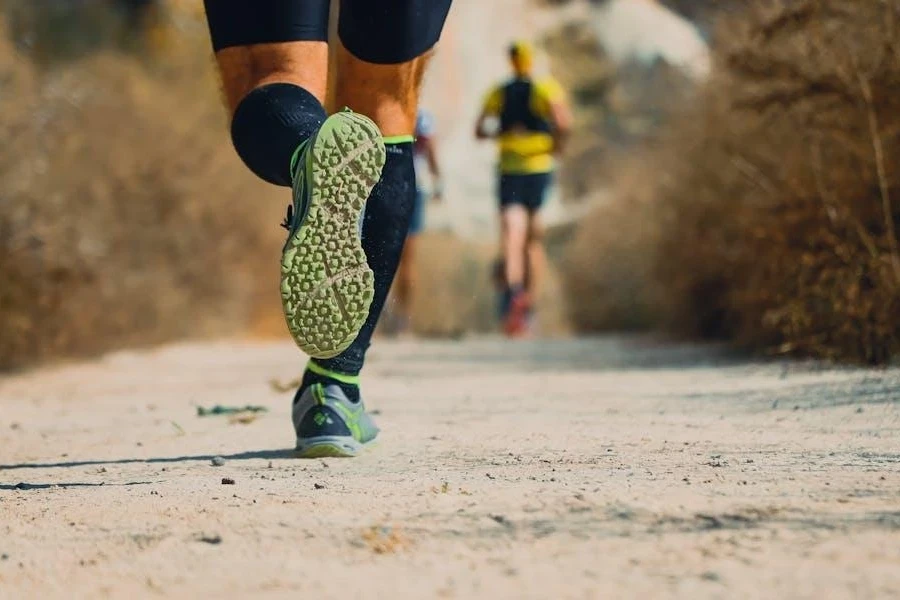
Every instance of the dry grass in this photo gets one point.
(775, 203)
(125, 218)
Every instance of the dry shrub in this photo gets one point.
(615, 107)
(777, 197)
(608, 268)
(454, 292)
(704, 13)
(125, 218)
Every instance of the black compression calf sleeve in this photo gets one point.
(385, 225)
(269, 124)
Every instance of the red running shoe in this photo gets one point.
(518, 316)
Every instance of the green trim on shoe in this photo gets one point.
(341, 377)
(327, 423)
(296, 155)
(399, 139)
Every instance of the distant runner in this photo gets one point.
(534, 122)
(424, 151)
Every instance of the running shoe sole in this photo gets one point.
(326, 283)
(329, 447)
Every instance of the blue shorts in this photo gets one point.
(528, 190)
(417, 221)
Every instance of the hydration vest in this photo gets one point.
(517, 112)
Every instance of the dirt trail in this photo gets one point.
(600, 468)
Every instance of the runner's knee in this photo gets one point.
(269, 41)
(536, 230)
(388, 94)
(245, 68)
(385, 48)
(514, 228)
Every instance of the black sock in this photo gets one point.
(269, 124)
(385, 226)
(311, 377)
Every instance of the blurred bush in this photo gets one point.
(768, 213)
(616, 107)
(454, 292)
(125, 217)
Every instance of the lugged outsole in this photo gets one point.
(328, 448)
(326, 283)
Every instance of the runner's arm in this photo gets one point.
(481, 130)
(493, 104)
(561, 115)
(559, 112)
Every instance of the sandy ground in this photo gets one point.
(600, 468)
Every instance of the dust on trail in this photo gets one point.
(610, 467)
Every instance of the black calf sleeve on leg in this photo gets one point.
(269, 124)
(385, 226)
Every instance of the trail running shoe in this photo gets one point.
(326, 283)
(329, 424)
(518, 316)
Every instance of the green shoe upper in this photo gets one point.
(301, 165)
(324, 411)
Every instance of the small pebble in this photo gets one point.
(319, 486)
(218, 461)
(227, 481)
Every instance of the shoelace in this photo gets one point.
(289, 219)
(288, 222)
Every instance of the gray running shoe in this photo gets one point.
(329, 424)
(326, 283)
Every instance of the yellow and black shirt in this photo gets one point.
(525, 139)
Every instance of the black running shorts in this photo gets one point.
(528, 190)
(376, 31)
